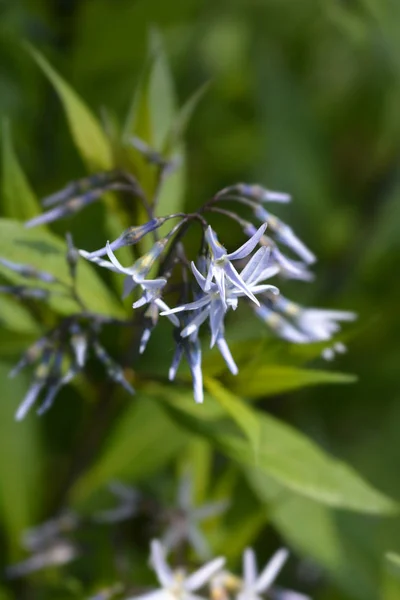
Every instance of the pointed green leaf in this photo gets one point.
(18, 199)
(182, 120)
(86, 131)
(14, 317)
(45, 251)
(268, 380)
(153, 108)
(285, 454)
(391, 577)
(244, 416)
(20, 456)
(143, 441)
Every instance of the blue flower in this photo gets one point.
(221, 268)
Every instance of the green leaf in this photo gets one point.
(19, 201)
(285, 454)
(143, 441)
(20, 456)
(297, 462)
(243, 415)
(182, 120)
(268, 380)
(153, 108)
(318, 533)
(14, 317)
(391, 581)
(45, 251)
(86, 131)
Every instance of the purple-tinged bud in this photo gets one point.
(79, 187)
(28, 271)
(70, 207)
(133, 235)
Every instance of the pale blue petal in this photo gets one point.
(219, 274)
(235, 278)
(195, 323)
(189, 306)
(199, 277)
(29, 400)
(157, 558)
(271, 571)
(200, 577)
(290, 239)
(249, 568)
(117, 264)
(248, 246)
(256, 264)
(217, 250)
(217, 313)
(163, 306)
(226, 355)
(99, 261)
(175, 362)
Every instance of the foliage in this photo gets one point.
(300, 96)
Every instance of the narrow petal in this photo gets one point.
(201, 280)
(175, 362)
(99, 261)
(271, 571)
(198, 541)
(217, 313)
(144, 339)
(235, 278)
(272, 196)
(212, 509)
(204, 574)
(116, 262)
(159, 564)
(259, 289)
(152, 284)
(29, 399)
(265, 274)
(288, 237)
(219, 274)
(49, 399)
(226, 355)
(163, 306)
(256, 264)
(189, 306)
(217, 250)
(192, 351)
(195, 323)
(129, 286)
(248, 246)
(249, 568)
(291, 268)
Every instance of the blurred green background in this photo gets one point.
(304, 97)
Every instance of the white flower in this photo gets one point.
(175, 585)
(221, 268)
(255, 584)
(321, 324)
(211, 305)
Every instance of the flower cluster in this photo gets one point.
(61, 353)
(212, 285)
(221, 584)
(191, 292)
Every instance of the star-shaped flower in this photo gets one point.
(176, 585)
(255, 584)
(221, 268)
